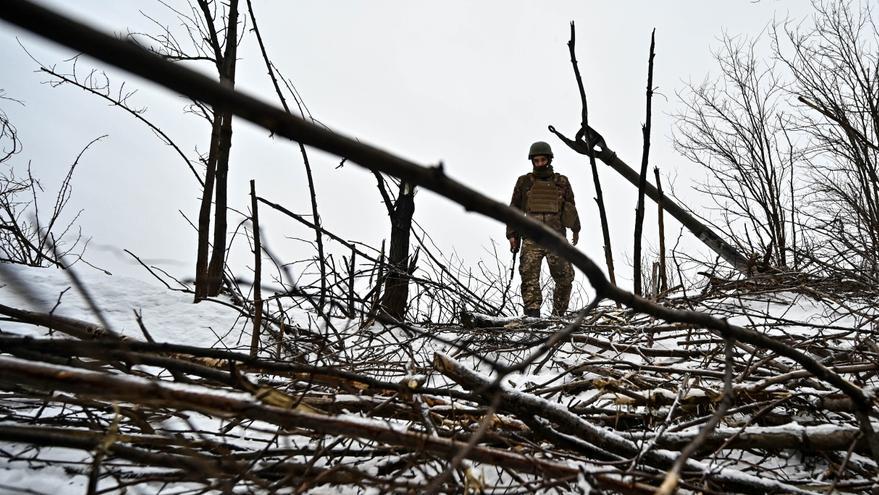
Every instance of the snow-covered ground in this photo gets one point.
(613, 372)
(169, 316)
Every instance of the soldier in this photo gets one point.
(545, 196)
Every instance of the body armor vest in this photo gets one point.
(544, 196)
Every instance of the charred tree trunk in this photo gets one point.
(257, 272)
(204, 214)
(396, 293)
(214, 276)
(227, 78)
(599, 148)
(663, 277)
(639, 210)
(599, 196)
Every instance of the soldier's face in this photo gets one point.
(540, 161)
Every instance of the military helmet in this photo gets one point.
(540, 148)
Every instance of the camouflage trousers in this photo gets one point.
(529, 269)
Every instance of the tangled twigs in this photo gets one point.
(138, 61)
(155, 394)
(577, 429)
(596, 386)
(627, 390)
(672, 478)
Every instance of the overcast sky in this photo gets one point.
(470, 84)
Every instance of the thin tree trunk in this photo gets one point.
(227, 78)
(257, 272)
(379, 282)
(315, 215)
(218, 253)
(663, 278)
(639, 210)
(599, 196)
(351, 273)
(396, 293)
(204, 214)
(317, 230)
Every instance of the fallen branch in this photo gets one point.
(527, 405)
(15, 373)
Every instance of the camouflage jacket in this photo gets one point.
(553, 220)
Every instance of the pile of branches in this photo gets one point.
(833, 288)
(616, 401)
(619, 400)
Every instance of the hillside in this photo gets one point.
(356, 407)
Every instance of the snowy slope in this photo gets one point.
(169, 317)
(622, 365)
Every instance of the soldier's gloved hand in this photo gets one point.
(514, 244)
(575, 238)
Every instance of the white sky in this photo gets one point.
(471, 84)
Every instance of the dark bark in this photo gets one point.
(214, 276)
(227, 78)
(639, 210)
(702, 232)
(351, 271)
(663, 277)
(396, 295)
(599, 196)
(204, 215)
(257, 272)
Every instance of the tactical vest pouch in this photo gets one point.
(569, 215)
(544, 197)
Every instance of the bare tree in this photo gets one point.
(587, 138)
(642, 183)
(27, 236)
(213, 33)
(275, 76)
(833, 63)
(400, 267)
(792, 147)
(736, 128)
